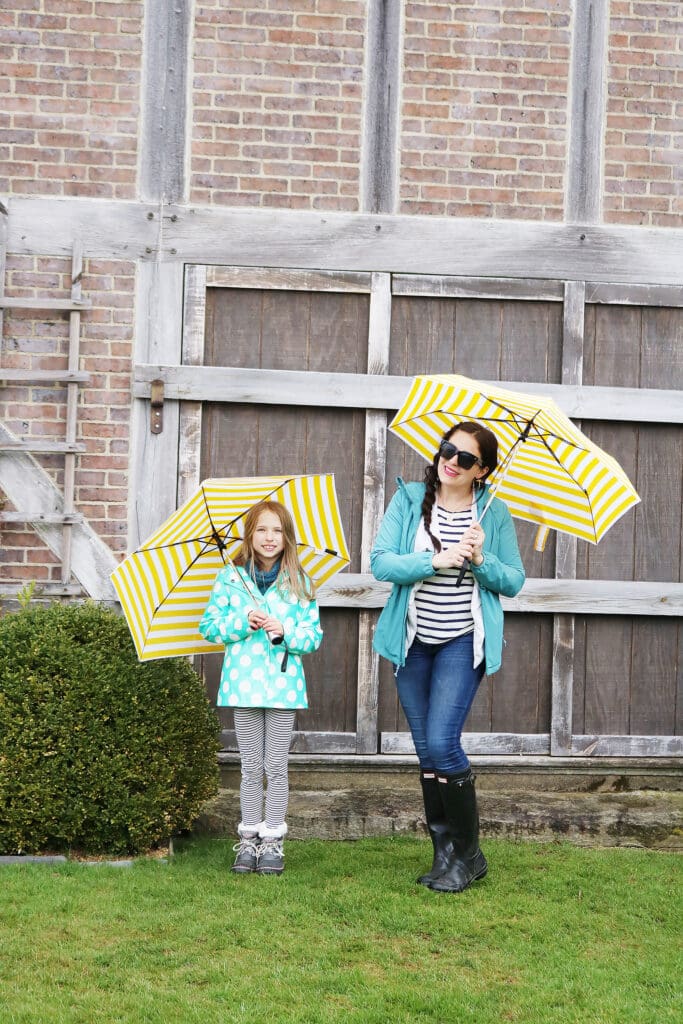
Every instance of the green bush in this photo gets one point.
(98, 752)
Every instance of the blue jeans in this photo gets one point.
(436, 687)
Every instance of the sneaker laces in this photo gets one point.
(247, 845)
(271, 846)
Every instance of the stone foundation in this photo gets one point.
(588, 803)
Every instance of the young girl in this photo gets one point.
(264, 610)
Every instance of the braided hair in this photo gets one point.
(488, 446)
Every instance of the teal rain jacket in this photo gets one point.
(394, 559)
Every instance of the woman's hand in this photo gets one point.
(469, 546)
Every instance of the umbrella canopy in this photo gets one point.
(165, 585)
(548, 471)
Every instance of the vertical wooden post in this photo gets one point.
(72, 391)
(379, 145)
(194, 323)
(373, 508)
(587, 112)
(565, 564)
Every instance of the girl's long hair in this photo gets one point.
(292, 577)
(488, 448)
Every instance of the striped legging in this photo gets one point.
(264, 736)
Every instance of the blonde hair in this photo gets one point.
(292, 577)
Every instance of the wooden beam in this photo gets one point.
(190, 438)
(363, 391)
(540, 596)
(476, 743)
(44, 376)
(379, 333)
(397, 244)
(587, 111)
(45, 304)
(287, 280)
(379, 143)
(627, 746)
(478, 288)
(562, 676)
(29, 488)
(162, 139)
(154, 457)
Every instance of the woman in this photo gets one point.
(443, 635)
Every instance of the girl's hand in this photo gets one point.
(259, 619)
(256, 618)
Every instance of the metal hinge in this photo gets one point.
(156, 410)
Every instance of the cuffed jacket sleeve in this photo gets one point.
(302, 632)
(501, 573)
(387, 562)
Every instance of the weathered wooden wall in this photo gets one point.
(363, 191)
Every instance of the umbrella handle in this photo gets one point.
(463, 569)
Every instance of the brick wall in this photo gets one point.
(484, 110)
(277, 94)
(39, 340)
(69, 90)
(644, 139)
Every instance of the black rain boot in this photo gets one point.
(436, 824)
(467, 862)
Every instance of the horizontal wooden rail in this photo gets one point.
(43, 376)
(43, 304)
(367, 391)
(41, 517)
(546, 597)
(42, 447)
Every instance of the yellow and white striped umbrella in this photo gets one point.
(165, 585)
(548, 471)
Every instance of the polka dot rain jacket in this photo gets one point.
(252, 675)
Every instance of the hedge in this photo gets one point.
(99, 752)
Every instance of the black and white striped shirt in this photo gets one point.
(444, 611)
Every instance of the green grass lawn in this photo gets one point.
(554, 934)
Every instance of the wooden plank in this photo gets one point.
(304, 742)
(42, 590)
(379, 143)
(41, 517)
(590, 24)
(72, 390)
(477, 287)
(190, 415)
(350, 390)
(110, 229)
(633, 294)
(475, 743)
(29, 488)
(154, 457)
(42, 447)
(286, 280)
(162, 138)
(562, 676)
(449, 246)
(44, 376)
(45, 303)
(541, 596)
(627, 746)
(374, 466)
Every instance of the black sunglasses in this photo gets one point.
(466, 460)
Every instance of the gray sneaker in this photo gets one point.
(247, 851)
(271, 859)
